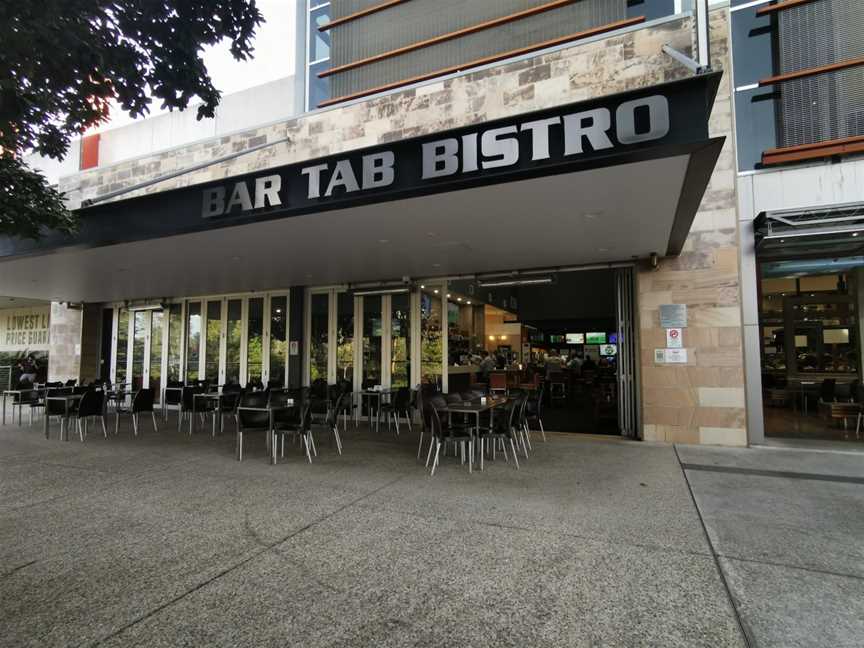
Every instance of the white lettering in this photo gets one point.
(444, 153)
(540, 136)
(240, 196)
(343, 176)
(267, 191)
(214, 202)
(378, 170)
(503, 151)
(469, 152)
(599, 121)
(314, 173)
(658, 115)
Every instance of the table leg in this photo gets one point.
(46, 419)
(477, 436)
(4, 408)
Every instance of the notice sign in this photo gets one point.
(24, 329)
(670, 356)
(673, 315)
(674, 338)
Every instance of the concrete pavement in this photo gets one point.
(166, 540)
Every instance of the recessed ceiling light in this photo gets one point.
(421, 287)
(591, 216)
(235, 258)
(468, 302)
(448, 295)
(436, 265)
(382, 241)
(854, 233)
(436, 291)
(602, 249)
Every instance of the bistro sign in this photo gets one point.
(595, 130)
(661, 121)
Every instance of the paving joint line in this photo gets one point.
(778, 474)
(241, 563)
(812, 570)
(742, 626)
(548, 531)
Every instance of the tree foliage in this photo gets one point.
(63, 61)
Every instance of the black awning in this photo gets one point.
(822, 232)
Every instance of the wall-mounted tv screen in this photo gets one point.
(575, 338)
(612, 338)
(557, 339)
(608, 350)
(595, 338)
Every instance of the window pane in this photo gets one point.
(193, 340)
(175, 330)
(345, 337)
(233, 332)
(254, 339)
(371, 341)
(122, 345)
(318, 337)
(430, 337)
(319, 42)
(214, 331)
(319, 89)
(278, 338)
(156, 355)
(139, 334)
(400, 354)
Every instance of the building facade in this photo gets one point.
(446, 159)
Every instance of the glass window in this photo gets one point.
(214, 333)
(345, 337)
(122, 345)
(156, 354)
(431, 348)
(400, 339)
(139, 336)
(175, 336)
(319, 89)
(193, 340)
(278, 338)
(255, 339)
(233, 332)
(318, 336)
(371, 341)
(319, 41)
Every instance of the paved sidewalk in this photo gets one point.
(788, 529)
(168, 541)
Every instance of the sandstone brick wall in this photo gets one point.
(700, 402)
(64, 351)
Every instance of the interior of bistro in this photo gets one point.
(811, 347)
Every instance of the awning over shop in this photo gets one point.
(814, 233)
(611, 179)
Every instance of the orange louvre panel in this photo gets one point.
(89, 152)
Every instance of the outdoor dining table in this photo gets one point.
(68, 400)
(487, 404)
(216, 398)
(13, 393)
(372, 394)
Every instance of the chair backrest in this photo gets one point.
(342, 404)
(188, 396)
(229, 400)
(275, 383)
(497, 381)
(29, 396)
(453, 399)
(253, 419)
(71, 382)
(55, 407)
(143, 401)
(81, 389)
(91, 404)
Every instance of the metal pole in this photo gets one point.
(703, 40)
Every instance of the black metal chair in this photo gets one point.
(228, 402)
(187, 405)
(398, 405)
(142, 403)
(443, 433)
(57, 409)
(503, 430)
(296, 422)
(92, 404)
(534, 412)
(332, 421)
(253, 415)
(28, 398)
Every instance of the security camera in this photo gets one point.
(654, 261)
